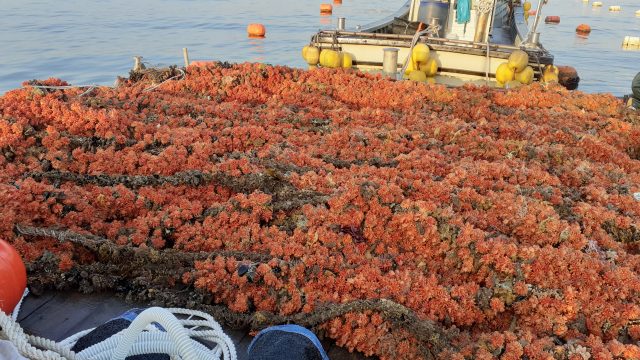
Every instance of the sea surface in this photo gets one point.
(92, 42)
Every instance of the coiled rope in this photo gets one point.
(141, 337)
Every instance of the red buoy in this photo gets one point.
(532, 12)
(552, 19)
(13, 277)
(583, 29)
(326, 9)
(337, 2)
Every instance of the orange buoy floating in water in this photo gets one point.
(552, 19)
(13, 277)
(326, 9)
(337, 2)
(256, 30)
(583, 29)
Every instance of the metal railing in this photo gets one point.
(332, 33)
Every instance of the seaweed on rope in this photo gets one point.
(403, 220)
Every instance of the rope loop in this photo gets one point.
(150, 341)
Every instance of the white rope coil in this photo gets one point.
(14, 314)
(142, 337)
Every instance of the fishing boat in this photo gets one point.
(466, 52)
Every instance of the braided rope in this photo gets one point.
(52, 346)
(484, 6)
(12, 331)
(14, 314)
(433, 30)
(61, 236)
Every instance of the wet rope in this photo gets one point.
(488, 64)
(171, 78)
(93, 86)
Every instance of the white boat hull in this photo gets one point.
(459, 61)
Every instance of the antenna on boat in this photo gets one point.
(533, 36)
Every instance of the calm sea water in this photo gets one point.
(86, 42)
(602, 64)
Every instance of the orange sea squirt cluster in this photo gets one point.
(505, 218)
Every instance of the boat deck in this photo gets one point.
(58, 315)
(500, 33)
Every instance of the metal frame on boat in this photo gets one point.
(466, 53)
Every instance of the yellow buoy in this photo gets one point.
(430, 68)
(498, 85)
(526, 6)
(304, 52)
(511, 84)
(585, 1)
(504, 74)
(409, 67)
(550, 77)
(347, 61)
(431, 80)
(518, 60)
(320, 57)
(417, 75)
(525, 76)
(614, 8)
(312, 55)
(552, 68)
(420, 53)
(526, 16)
(331, 59)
